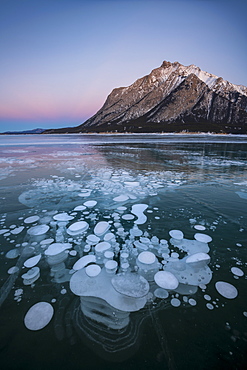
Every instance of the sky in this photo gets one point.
(60, 59)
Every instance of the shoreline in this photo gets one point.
(129, 134)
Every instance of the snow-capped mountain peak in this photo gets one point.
(172, 98)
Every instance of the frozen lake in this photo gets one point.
(89, 226)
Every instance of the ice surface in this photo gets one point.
(187, 274)
(198, 260)
(18, 292)
(192, 302)
(132, 183)
(100, 311)
(102, 247)
(3, 231)
(130, 285)
(175, 302)
(31, 262)
(145, 240)
(176, 234)
(140, 245)
(108, 254)
(17, 230)
(57, 248)
(80, 208)
(237, 271)
(137, 210)
(46, 241)
(101, 228)
(203, 238)
(38, 230)
(38, 316)
(101, 287)
(63, 217)
(93, 270)
(242, 194)
(128, 217)
(161, 293)
(111, 266)
(121, 208)
(121, 198)
(90, 203)
(84, 261)
(31, 276)
(227, 290)
(186, 289)
(166, 280)
(124, 238)
(92, 239)
(192, 246)
(13, 270)
(12, 254)
(135, 231)
(146, 257)
(31, 219)
(108, 237)
(174, 255)
(77, 228)
(200, 227)
(85, 193)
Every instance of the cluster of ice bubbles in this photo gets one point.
(107, 182)
(119, 268)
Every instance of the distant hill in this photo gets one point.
(34, 131)
(172, 98)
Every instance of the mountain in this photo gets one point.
(34, 131)
(172, 98)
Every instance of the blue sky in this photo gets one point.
(61, 58)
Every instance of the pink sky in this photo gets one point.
(60, 59)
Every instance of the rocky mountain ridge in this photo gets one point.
(172, 98)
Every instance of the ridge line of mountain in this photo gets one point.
(172, 98)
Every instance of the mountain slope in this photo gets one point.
(172, 98)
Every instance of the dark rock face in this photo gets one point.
(172, 98)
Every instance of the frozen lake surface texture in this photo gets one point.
(123, 251)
